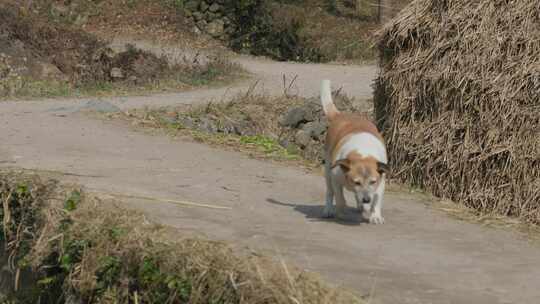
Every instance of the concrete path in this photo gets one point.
(419, 256)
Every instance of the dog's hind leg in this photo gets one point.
(375, 216)
(328, 208)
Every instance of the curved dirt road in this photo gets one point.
(419, 256)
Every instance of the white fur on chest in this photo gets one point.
(365, 144)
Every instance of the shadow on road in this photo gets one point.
(313, 212)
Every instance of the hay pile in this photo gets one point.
(62, 246)
(458, 99)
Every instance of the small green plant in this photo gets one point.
(73, 200)
(267, 145)
(161, 284)
(116, 232)
(73, 251)
(108, 272)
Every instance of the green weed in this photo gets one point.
(73, 200)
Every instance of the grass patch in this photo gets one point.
(268, 146)
(67, 246)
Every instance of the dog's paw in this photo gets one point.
(328, 212)
(376, 219)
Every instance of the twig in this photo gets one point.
(182, 203)
(7, 215)
(17, 277)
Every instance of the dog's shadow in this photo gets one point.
(314, 213)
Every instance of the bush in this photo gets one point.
(263, 31)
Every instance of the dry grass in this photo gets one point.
(83, 64)
(248, 122)
(92, 251)
(257, 114)
(458, 100)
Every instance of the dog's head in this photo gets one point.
(362, 175)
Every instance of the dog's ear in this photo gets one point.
(382, 168)
(344, 164)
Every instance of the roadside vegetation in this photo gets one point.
(62, 245)
(281, 128)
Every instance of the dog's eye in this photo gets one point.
(358, 183)
(372, 182)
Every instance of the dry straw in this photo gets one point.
(94, 251)
(458, 99)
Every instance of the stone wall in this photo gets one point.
(213, 17)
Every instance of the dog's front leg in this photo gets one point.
(359, 204)
(340, 200)
(375, 216)
(328, 211)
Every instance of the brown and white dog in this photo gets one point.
(355, 160)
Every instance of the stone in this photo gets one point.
(293, 117)
(197, 16)
(302, 138)
(315, 129)
(313, 109)
(229, 30)
(196, 30)
(117, 73)
(191, 6)
(228, 127)
(209, 16)
(207, 125)
(186, 122)
(201, 24)
(215, 28)
(50, 71)
(203, 6)
(244, 128)
(214, 8)
(284, 143)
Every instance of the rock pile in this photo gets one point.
(213, 17)
(305, 126)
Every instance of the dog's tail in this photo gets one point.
(329, 108)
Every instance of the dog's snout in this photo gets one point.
(366, 200)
